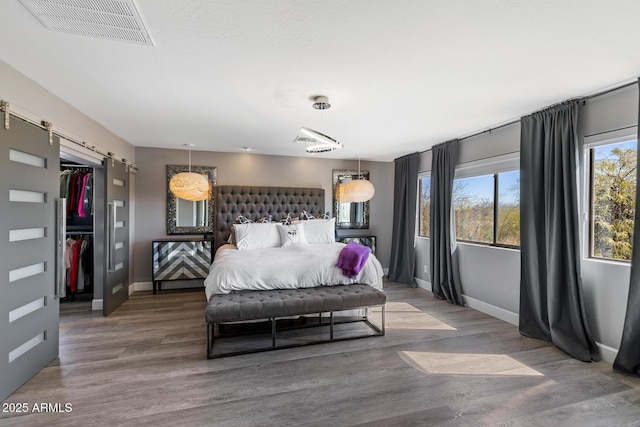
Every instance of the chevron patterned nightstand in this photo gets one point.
(180, 260)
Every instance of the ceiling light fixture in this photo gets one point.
(318, 142)
(190, 185)
(322, 103)
(357, 190)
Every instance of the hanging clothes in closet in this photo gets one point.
(79, 262)
(76, 185)
(77, 188)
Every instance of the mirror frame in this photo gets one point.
(172, 226)
(337, 173)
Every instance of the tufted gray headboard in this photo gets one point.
(258, 202)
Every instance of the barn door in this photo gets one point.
(116, 283)
(31, 244)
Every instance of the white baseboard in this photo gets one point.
(492, 310)
(608, 353)
(140, 286)
(96, 304)
(423, 284)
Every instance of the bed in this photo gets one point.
(268, 240)
(260, 259)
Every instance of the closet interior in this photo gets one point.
(77, 187)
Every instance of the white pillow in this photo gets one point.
(292, 234)
(320, 230)
(256, 235)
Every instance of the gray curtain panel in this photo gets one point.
(445, 273)
(628, 358)
(551, 301)
(405, 197)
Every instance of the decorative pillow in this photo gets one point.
(257, 235)
(287, 220)
(320, 230)
(265, 219)
(292, 234)
(241, 219)
(305, 215)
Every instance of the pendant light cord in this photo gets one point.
(189, 148)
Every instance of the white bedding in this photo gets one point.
(298, 266)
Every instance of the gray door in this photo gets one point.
(116, 283)
(31, 240)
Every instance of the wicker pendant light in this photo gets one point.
(357, 190)
(190, 185)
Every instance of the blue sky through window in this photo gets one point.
(605, 150)
(509, 187)
(482, 186)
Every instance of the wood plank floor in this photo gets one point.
(438, 364)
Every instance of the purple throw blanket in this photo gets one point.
(352, 259)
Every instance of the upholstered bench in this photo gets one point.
(280, 303)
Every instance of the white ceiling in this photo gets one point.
(401, 75)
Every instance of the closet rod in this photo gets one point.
(5, 106)
(76, 166)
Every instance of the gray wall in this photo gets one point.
(250, 169)
(491, 276)
(25, 95)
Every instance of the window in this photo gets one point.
(508, 215)
(425, 206)
(612, 201)
(473, 201)
(487, 208)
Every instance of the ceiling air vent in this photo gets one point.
(108, 19)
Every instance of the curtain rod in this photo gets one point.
(606, 91)
(583, 99)
(480, 133)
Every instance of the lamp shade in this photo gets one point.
(190, 186)
(340, 193)
(357, 190)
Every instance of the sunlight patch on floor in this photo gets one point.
(401, 315)
(466, 364)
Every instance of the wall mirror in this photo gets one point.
(185, 216)
(349, 215)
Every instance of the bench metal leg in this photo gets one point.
(210, 338)
(273, 332)
(331, 326)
